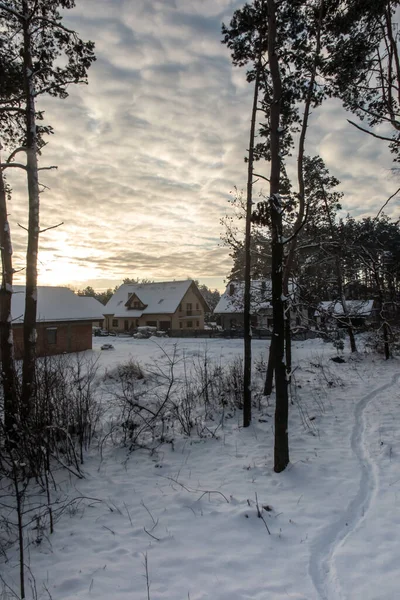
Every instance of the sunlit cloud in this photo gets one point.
(150, 150)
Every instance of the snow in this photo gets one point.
(354, 307)
(55, 304)
(260, 290)
(191, 507)
(159, 298)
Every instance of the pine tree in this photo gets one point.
(36, 39)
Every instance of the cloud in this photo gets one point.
(149, 151)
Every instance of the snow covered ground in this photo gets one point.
(189, 510)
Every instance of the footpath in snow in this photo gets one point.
(188, 510)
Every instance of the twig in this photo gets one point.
(151, 535)
(261, 516)
(147, 576)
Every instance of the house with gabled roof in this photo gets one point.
(360, 312)
(230, 308)
(64, 320)
(170, 305)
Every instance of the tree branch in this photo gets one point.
(13, 165)
(375, 135)
(15, 152)
(52, 227)
(386, 203)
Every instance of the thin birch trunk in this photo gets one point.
(6, 333)
(247, 269)
(30, 334)
(300, 178)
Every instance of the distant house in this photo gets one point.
(171, 305)
(330, 312)
(64, 320)
(96, 306)
(230, 308)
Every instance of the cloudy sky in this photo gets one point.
(150, 150)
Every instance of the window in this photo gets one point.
(180, 307)
(180, 325)
(197, 306)
(51, 335)
(115, 322)
(189, 309)
(136, 304)
(151, 323)
(189, 324)
(197, 323)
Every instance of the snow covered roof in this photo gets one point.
(232, 300)
(360, 308)
(157, 298)
(93, 304)
(56, 304)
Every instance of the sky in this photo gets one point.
(151, 150)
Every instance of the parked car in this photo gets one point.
(98, 332)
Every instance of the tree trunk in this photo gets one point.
(288, 345)
(281, 449)
(269, 378)
(30, 334)
(339, 275)
(6, 333)
(247, 270)
(301, 216)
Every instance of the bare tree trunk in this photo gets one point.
(30, 334)
(6, 333)
(339, 278)
(301, 217)
(247, 269)
(269, 378)
(281, 448)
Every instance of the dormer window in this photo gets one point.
(136, 304)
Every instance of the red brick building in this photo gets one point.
(64, 321)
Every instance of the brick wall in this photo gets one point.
(56, 338)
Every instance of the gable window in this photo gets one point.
(51, 335)
(136, 304)
(197, 306)
(115, 322)
(189, 309)
(189, 324)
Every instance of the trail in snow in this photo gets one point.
(322, 564)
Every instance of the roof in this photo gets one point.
(55, 304)
(360, 308)
(232, 300)
(158, 298)
(93, 304)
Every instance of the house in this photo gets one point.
(96, 306)
(330, 312)
(64, 320)
(171, 305)
(230, 308)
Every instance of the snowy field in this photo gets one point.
(188, 511)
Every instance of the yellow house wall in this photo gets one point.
(175, 319)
